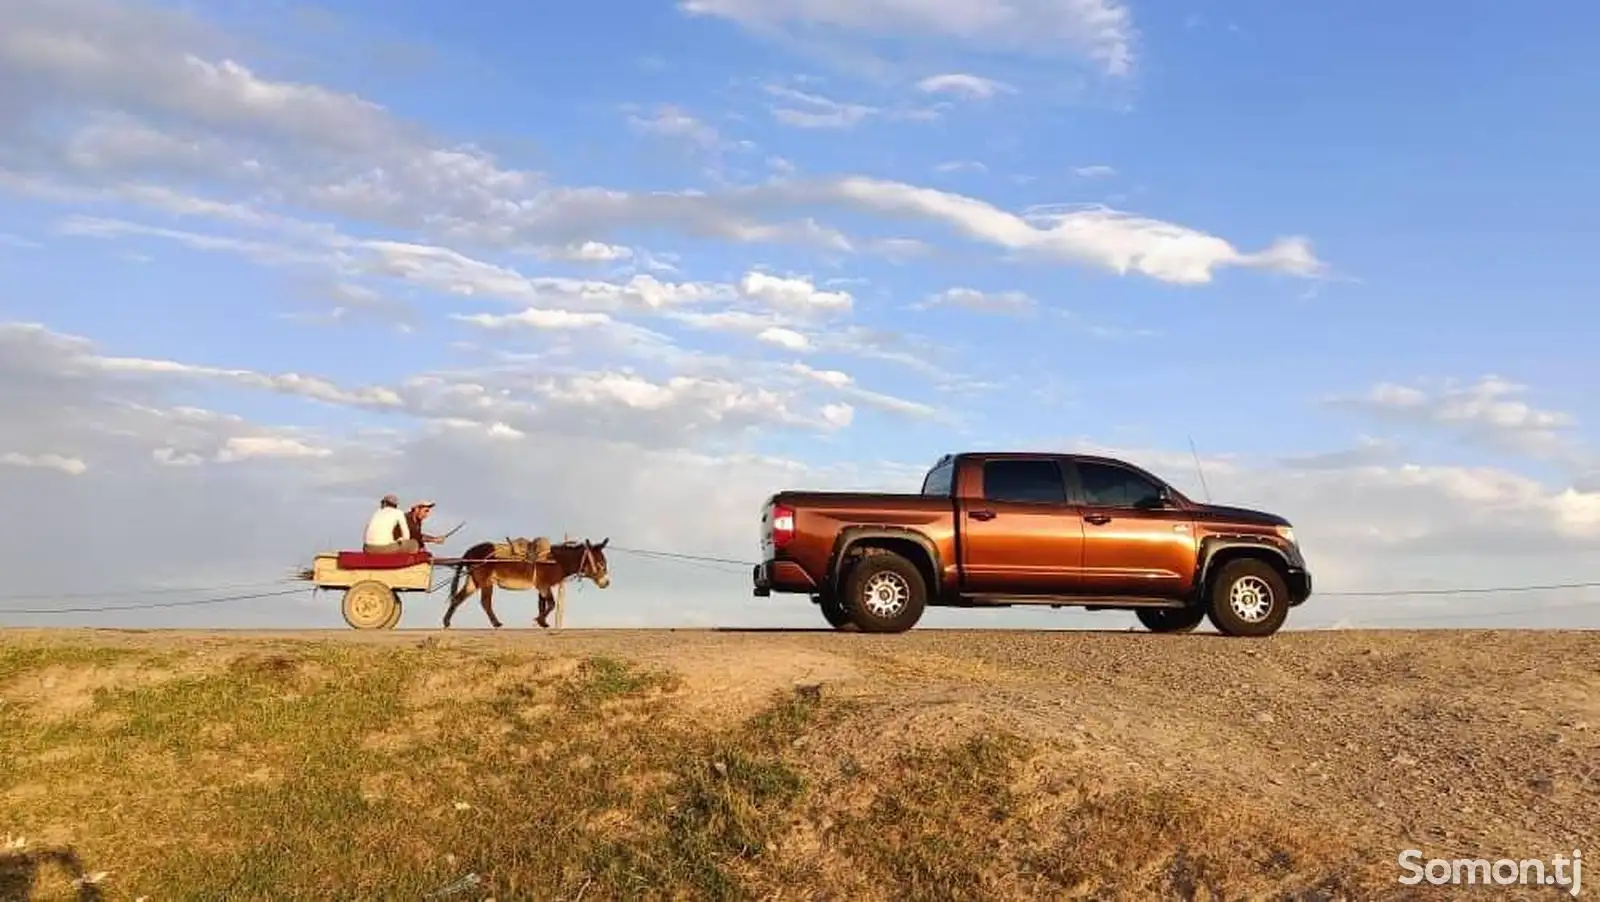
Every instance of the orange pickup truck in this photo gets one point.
(1002, 529)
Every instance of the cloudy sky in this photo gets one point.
(626, 268)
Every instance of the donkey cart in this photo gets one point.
(373, 582)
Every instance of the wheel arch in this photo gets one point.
(855, 542)
(1218, 552)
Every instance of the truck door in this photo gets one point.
(1020, 532)
(1133, 544)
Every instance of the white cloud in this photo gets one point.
(251, 447)
(587, 252)
(1094, 172)
(807, 110)
(539, 319)
(961, 166)
(964, 85)
(795, 295)
(826, 377)
(788, 339)
(1100, 30)
(59, 462)
(19, 242)
(671, 122)
(988, 302)
(1098, 235)
(1490, 411)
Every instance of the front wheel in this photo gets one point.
(1248, 598)
(885, 593)
(1171, 620)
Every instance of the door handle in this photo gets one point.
(981, 515)
(1097, 519)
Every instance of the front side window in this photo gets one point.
(1027, 481)
(1105, 485)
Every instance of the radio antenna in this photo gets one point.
(1199, 469)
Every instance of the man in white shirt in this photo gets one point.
(388, 531)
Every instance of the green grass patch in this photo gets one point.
(328, 771)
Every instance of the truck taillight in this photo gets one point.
(782, 525)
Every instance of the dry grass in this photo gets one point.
(341, 770)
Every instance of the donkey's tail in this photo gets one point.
(455, 580)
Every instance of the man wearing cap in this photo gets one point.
(389, 531)
(414, 518)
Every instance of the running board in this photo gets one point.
(1094, 602)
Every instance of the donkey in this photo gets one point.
(485, 570)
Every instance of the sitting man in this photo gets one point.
(388, 531)
(414, 518)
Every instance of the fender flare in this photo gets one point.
(1211, 546)
(852, 536)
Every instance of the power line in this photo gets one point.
(682, 557)
(193, 602)
(1474, 590)
(153, 590)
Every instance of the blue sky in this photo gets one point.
(1339, 248)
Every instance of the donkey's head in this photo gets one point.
(593, 564)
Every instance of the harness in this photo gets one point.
(588, 564)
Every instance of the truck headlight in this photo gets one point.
(1287, 532)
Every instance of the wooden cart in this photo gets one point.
(373, 583)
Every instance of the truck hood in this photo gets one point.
(1218, 513)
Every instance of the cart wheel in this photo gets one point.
(394, 619)
(371, 605)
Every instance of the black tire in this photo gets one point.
(1251, 577)
(1171, 620)
(833, 611)
(880, 572)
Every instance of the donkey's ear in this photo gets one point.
(602, 545)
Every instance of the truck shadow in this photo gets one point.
(21, 871)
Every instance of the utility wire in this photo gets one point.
(153, 590)
(193, 602)
(1474, 590)
(682, 557)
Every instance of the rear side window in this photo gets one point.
(1029, 481)
(940, 480)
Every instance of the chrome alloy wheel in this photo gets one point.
(1251, 599)
(885, 595)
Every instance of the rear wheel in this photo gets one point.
(884, 593)
(370, 605)
(1248, 598)
(833, 611)
(1171, 620)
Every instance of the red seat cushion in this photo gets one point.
(389, 560)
